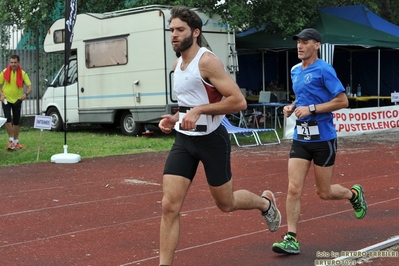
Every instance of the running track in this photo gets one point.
(106, 211)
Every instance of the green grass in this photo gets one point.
(265, 137)
(88, 142)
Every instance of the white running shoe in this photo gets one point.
(273, 215)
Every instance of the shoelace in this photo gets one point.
(356, 204)
(270, 214)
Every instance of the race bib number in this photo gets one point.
(308, 130)
(200, 126)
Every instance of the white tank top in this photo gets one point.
(192, 90)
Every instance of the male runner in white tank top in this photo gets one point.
(205, 94)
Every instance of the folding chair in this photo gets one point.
(238, 119)
(264, 97)
(253, 132)
(268, 97)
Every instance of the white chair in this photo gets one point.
(240, 116)
(264, 96)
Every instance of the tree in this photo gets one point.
(33, 18)
(38, 15)
(288, 16)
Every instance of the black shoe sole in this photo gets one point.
(282, 251)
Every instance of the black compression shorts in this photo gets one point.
(16, 112)
(322, 153)
(212, 150)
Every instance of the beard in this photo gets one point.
(185, 44)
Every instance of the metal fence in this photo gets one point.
(33, 60)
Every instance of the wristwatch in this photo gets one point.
(312, 109)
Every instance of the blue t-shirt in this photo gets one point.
(318, 83)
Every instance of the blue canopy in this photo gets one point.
(362, 15)
(334, 30)
(352, 28)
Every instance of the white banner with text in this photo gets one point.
(357, 121)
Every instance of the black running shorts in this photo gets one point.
(16, 112)
(212, 150)
(322, 153)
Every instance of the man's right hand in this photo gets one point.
(288, 110)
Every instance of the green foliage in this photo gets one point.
(286, 15)
(36, 16)
(100, 6)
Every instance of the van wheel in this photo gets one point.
(56, 120)
(128, 126)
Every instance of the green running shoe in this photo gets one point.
(288, 246)
(359, 204)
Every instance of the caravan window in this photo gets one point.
(59, 36)
(72, 76)
(107, 52)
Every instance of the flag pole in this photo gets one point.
(71, 7)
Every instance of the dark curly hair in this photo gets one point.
(189, 16)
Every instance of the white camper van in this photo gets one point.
(120, 69)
